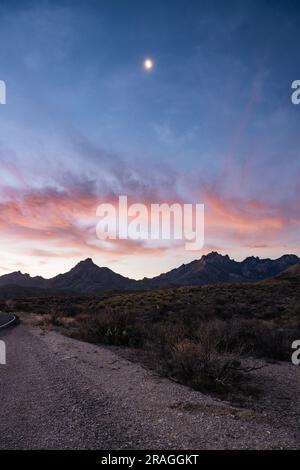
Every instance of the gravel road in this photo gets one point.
(59, 393)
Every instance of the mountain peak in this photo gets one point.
(215, 256)
(87, 262)
(290, 257)
(87, 277)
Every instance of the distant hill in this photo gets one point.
(88, 278)
(290, 274)
(23, 280)
(12, 291)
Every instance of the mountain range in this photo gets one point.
(88, 278)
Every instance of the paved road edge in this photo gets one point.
(14, 320)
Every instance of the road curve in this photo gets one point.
(59, 393)
(6, 319)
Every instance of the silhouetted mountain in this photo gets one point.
(210, 269)
(290, 274)
(215, 268)
(20, 279)
(257, 269)
(87, 277)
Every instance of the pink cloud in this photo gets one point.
(50, 223)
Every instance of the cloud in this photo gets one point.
(65, 220)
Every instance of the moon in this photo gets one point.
(148, 64)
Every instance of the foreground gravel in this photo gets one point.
(59, 393)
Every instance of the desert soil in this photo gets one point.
(59, 393)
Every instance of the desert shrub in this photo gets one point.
(20, 306)
(165, 335)
(203, 368)
(256, 338)
(110, 327)
(10, 305)
(71, 310)
(268, 341)
(43, 320)
(199, 359)
(50, 319)
(66, 322)
(200, 336)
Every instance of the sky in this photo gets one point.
(211, 123)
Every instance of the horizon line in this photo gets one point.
(145, 277)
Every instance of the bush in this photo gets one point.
(257, 338)
(201, 336)
(203, 368)
(113, 328)
(199, 358)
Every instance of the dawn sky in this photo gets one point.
(211, 122)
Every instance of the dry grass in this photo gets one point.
(201, 336)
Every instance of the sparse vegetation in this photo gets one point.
(201, 336)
